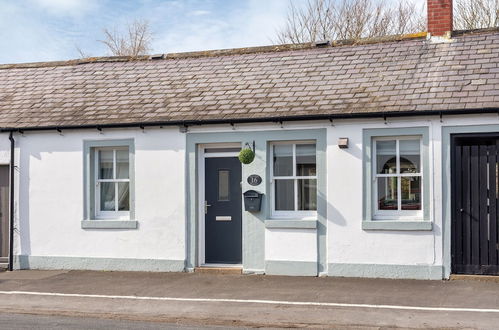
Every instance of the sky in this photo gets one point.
(48, 30)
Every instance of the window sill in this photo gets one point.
(287, 223)
(418, 225)
(109, 224)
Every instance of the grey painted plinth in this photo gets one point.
(291, 268)
(107, 264)
(416, 272)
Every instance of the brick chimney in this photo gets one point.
(440, 17)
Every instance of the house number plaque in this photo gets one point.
(254, 179)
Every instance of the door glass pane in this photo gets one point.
(387, 193)
(122, 164)
(305, 160)
(105, 164)
(283, 160)
(307, 194)
(411, 193)
(123, 196)
(223, 185)
(107, 196)
(409, 156)
(386, 157)
(284, 195)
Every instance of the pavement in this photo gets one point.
(197, 299)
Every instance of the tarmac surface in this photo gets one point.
(55, 322)
(193, 299)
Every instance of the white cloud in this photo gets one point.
(199, 12)
(66, 7)
(252, 23)
(44, 30)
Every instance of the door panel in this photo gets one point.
(474, 224)
(223, 227)
(4, 211)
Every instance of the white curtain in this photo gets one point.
(122, 172)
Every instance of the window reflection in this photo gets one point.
(409, 156)
(305, 160)
(283, 160)
(411, 193)
(387, 193)
(386, 157)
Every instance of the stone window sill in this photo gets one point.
(421, 225)
(289, 223)
(109, 224)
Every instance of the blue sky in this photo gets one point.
(46, 30)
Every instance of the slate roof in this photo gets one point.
(408, 75)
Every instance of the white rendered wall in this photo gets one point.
(51, 196)
(50, 193)
(290, 245)
(348, 242)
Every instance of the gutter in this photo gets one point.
(277, 119)
(11, 202)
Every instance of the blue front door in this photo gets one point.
(223, 227)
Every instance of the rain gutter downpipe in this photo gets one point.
(11, 202)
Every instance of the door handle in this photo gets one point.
(206, 205)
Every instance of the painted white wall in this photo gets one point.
(51, 197)
(290, 245)
(348, 243)
(50, 192)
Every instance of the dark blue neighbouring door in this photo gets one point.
(223, 228)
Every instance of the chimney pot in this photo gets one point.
(440, 17)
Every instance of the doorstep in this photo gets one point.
(483, 278)
(221, 270)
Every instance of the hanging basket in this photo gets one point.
(246, 156)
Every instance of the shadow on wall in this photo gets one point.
(72, 141)
(333, 214)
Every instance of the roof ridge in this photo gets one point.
(239, 51)
(217, 52)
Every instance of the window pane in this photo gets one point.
(305, 160)
(411, 193)
(307, 194)
(223, 185)
(283, 160)
(214, 150)
(107, 196)
(284, 195)
(105, 164)
(409, 156)
(123, 196)
(386, 157)
(122, 164)
(387, 193)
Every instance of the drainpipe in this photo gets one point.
(11, 200)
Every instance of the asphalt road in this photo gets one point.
(196, 300)
(55, 322)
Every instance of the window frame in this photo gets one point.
(398, 214)
(91, 218)
(369, 221)
(99, 214)
(288, 214)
